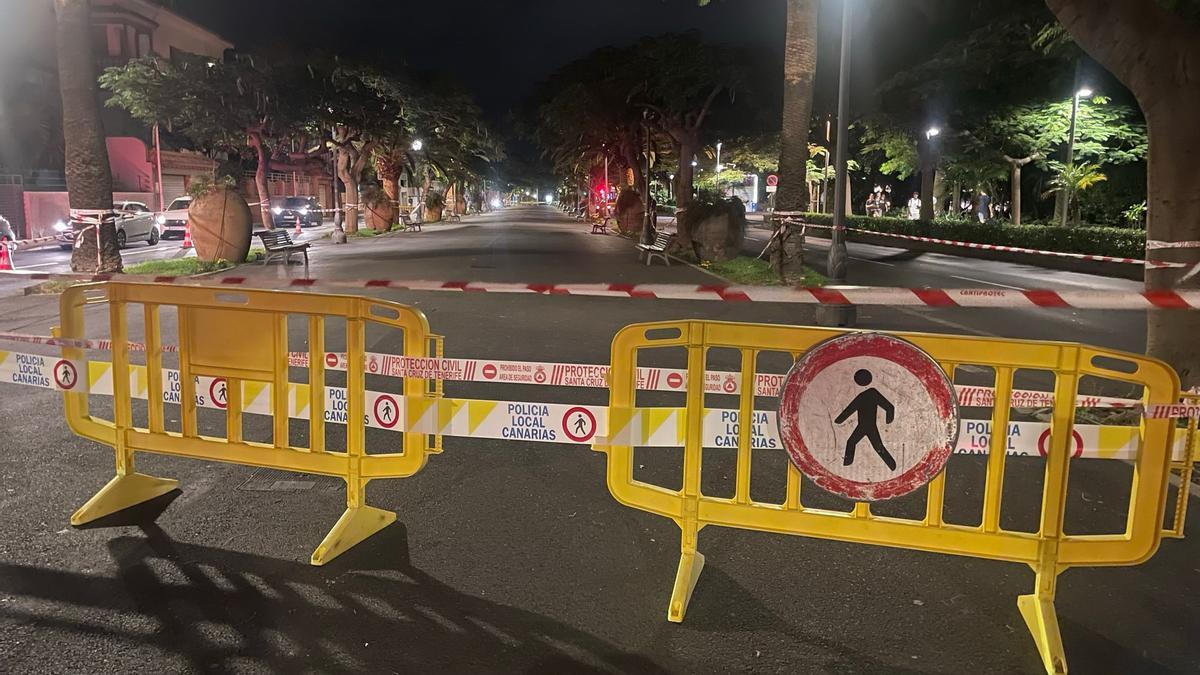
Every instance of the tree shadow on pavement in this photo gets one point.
(370, 611)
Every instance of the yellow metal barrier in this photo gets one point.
(1048, 551)
(241, 335)
(1184, 469)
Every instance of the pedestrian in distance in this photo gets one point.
(983, 207)
(914, 206)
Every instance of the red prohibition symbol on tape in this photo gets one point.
(331, 360)
(387, 411)
(674, 380)
(579, 424)
(868, 416)
(1045, 437)
(219, 393)
(65, 375)
(489, 371)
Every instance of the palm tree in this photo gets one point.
(799, 70)
(1072, 179)
(89, 179)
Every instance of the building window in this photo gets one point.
(143, 41)
(114, 40)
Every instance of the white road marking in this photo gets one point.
(989, 283)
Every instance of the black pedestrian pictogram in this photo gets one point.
(867, 405)
(387, 412)
(66, 376)
(581, 425)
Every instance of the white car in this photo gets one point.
(174, 220)
(135, 222)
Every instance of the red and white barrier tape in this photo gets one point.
(1017, 249)
(828, 295)
(552, 374)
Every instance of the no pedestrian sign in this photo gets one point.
(868, 416)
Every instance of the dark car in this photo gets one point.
(307, 209)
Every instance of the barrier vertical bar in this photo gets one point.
(997, 449)
(1037, 608)
(791, 501)
(187, 381)
(316, 383)
(279, 384)
(691, 561)
(358, 521)
(745, 427)
(233, 410)
(154, 387)
(935, 491)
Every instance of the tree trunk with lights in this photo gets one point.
(255, 140)
(89, 178)
(1156, 54)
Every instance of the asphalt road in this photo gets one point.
(513, 557)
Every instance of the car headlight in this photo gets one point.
(161, 220)
(60, 226)
(276, 210)
(304, 210)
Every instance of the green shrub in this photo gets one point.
(1118, 242)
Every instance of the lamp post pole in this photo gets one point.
(840, 315)
(1079, 93)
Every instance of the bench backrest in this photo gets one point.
(275, 238)
(662, 240)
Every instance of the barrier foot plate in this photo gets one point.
(121, 493)
(690, 566)
(355, 525)
(1043, 624)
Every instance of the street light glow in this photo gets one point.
(1085, 92)
(933, 131)
(417, 145)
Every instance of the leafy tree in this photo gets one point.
(1148, 46)
(235, 106)
(1071, 179)
(89, 178)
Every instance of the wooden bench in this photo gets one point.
(453, 218)
(600, 226)
(280, 245)
(408, 224)
(657, 249)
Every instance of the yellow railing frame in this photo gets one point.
(354, 466)
(1048, 551)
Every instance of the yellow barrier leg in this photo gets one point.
(355, 525)
(691, 563)
(121, 493)
(1038, 610)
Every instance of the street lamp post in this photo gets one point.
(1082, 93)
(719, 167)
(840, 315)
(606, 214)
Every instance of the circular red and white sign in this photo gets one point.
(579, 424)
(772, 180)
(387, 411)
(65, 375)
(674, 380)
(1045, 437)
(331, 360)
(868, 416)
(489, 371)
(730, 384)
(218, 393)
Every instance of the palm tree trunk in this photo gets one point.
(799, 71)
(89, 178)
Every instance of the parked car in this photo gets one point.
(307, 209)
(135, 222)
(174, 220)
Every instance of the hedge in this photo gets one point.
(1120, 242)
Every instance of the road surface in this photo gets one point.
(513, 557)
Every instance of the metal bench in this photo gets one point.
(280, 245)
(657, 249)
(600, 226)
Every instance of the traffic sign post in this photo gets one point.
(868, 416)
(772, 183)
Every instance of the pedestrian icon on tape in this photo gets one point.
(65, 375)
(388, 414)
(581, 424)
(867, 405)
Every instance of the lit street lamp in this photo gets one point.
(1084, 92)
(417, 145)
(933, 131)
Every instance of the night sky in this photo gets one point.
(500, 50)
